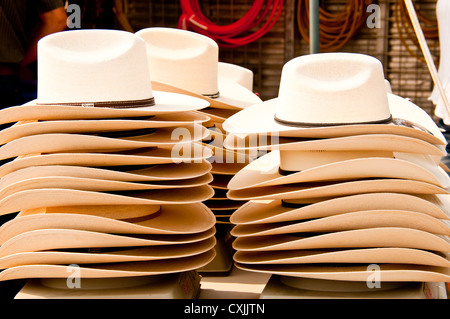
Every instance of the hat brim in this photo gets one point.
(55, 257)
(366, 142)
(272, 211)
(387, 272)
(244, 123)
(112, 270)
(100, 185)
(61, 142)
(50, 239)
(264, 171)
(359, 238)
(348, 221)
(196, 153)
(33, 127)
(168, 220)
(37, 198)
(232, 96)
(386, 255)
(324, 190)
(157, 173)
(166, 103)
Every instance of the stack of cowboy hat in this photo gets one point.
(188, 62)
(102, 170)
(353, 178)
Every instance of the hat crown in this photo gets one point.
(92, 66)
(182, 58)
(332, 89)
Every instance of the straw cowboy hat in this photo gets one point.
(275, 211)
(190, 61)
(329, 95)
(111, 270)
(53, 197)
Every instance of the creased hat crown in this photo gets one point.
(332, 89)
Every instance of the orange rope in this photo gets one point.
(335, 28)
(404, 25)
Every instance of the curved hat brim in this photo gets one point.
(112, 270)
(258, 212)
(264, 171)
(169, 219)
(166, 103)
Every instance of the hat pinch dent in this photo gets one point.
(110, 104)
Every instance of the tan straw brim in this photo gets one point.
(386, 272)
(166, 103)
(264, 171)
(170, 219)
(55, 257)
(53, 197)
(33, 127)
(47, 239)
(315, 190)
(195, 153)
(394, 255)
(272, 211)
(360, 238)
(113, 270)
(60, 142)
(416, 123)
(349, 221)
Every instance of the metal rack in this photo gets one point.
(408, 75)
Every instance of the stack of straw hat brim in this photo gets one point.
(102, 171)
(353, 178)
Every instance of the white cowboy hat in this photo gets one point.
(164, 173)
(96, 74)
(268, 169)
(333, 95)
(275, 211)
(190, 61)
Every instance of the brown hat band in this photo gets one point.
(304, 124)
(110, 104)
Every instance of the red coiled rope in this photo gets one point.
(238, 33)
